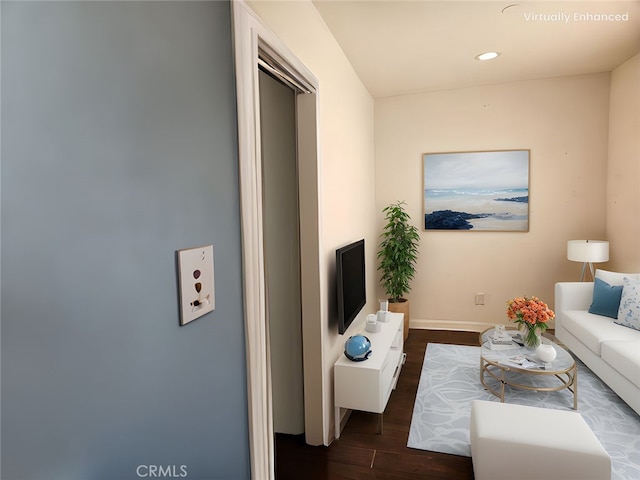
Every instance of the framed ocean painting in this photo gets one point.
(477, 191)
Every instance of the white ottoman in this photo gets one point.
(514, 441)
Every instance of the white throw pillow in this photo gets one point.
(615, 278)
(629, 311)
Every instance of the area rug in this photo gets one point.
(450, 380)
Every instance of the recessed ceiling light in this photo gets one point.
(487, 56)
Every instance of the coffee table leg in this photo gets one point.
(575, 387)
(484, 370)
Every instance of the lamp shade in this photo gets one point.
(592, 251)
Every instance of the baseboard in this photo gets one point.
(461, 326)
(454, 325)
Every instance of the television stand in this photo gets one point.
(367, 385)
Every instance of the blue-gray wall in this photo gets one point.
(119, 147)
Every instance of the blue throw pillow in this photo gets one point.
(606, 299)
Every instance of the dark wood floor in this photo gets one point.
(361, 453)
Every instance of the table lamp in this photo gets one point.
(588, 252)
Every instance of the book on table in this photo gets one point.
(501, 346)
(523, 361)
(503, 341)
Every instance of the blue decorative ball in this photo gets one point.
(357, 348)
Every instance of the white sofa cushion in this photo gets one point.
(625, 358)
(615, 278)
(573, 296)
(592, 329)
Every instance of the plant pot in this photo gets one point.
(401, 307)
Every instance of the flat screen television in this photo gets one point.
(350, 281)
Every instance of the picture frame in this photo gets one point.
(476, 191)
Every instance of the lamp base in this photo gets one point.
(584, 269)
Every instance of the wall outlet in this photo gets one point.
(479, 298)
(195, 267)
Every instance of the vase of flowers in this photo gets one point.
(532, 316)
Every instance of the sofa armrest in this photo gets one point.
(573, 296)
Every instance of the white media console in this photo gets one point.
(367, 385)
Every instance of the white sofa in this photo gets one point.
(610, 350)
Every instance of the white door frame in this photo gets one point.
(251, 36)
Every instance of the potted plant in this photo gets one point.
(397, 254)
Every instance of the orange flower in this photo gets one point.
(529, 311)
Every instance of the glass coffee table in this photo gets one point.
(519, 367)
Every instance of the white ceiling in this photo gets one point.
(403, 47)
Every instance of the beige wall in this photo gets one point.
(347, 173)
(623, 172)
(564, 122)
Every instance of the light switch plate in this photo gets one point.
(195, 267)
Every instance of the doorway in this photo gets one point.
(251, 39)
(280, 215)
